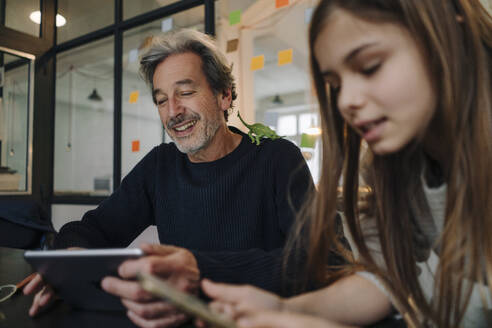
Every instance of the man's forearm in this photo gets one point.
(353, 300)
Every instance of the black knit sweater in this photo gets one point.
(233, 214)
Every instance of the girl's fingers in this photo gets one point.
(34, 286)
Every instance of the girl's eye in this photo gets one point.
(332, 83)
(368, 71)
(334, 86)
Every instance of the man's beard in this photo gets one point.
(202, 135)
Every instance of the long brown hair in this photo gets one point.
(456, 38)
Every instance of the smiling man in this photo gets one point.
(191, 111)
(222, 205)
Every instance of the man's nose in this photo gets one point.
(175, 107)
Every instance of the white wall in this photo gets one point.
(61, 214)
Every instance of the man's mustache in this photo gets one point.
(180, 119)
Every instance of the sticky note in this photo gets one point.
(257, 62)
(285, 57)
(308, 141)
(167, 24)
(234, 17)
(133, 97)
(232, 45)
(133, 55)
(308, 13)
(281, 3)
(135, 146)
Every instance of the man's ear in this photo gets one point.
(225, 99)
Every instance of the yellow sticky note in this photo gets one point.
(284, 57)
(133, 97)
(257, 62)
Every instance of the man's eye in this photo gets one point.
(368, 71)
(161, 102)
(186, 93)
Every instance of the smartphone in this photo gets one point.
(187, 303)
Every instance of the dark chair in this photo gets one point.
(23, 224)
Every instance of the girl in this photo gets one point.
(412, 80)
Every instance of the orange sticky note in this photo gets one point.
(133, 97)
(281, 3)
(135, 146)
(285, 57)
(257, 62)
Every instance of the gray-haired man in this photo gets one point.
(222, 202)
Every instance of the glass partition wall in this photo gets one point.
(141, 126)
(84, 113)
(16, 108)
(267, 42)
(28, 22)
(105, 120)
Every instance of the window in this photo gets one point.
(142, 129)
(287, 125)
(17, 15)
(83, 16)
(15, 123)
(274, 67)
(133, 8)
(96, 136)
(84, 116)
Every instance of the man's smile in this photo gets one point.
(185, 126)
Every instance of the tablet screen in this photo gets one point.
(76, 275)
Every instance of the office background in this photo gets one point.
(92, 118)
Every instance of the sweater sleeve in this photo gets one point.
(120, 218)
(264, 268)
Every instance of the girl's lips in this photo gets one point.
(373, 131)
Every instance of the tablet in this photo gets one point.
(187, 303)
(76, 275)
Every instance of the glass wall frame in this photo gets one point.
(40, 47)
(117, 30)
(26, 154)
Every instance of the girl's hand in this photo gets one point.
(44, 295)
(272, 319)
(235, 301)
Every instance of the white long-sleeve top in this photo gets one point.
(476, 315)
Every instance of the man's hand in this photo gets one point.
(235, 301)
(177, 265)
(272, 319)
(44, 295)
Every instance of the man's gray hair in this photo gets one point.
(214, 63)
